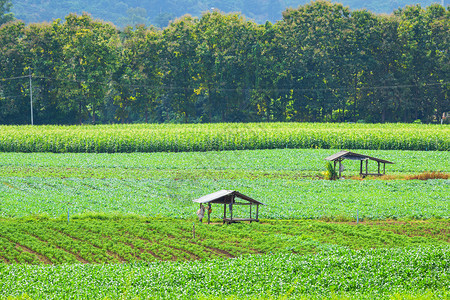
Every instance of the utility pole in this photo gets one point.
(31, 96)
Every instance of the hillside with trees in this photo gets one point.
(321, 62)
(5, 12)
(159, 12)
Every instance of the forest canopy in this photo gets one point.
(160, 12)
(5, 12)
(321, 62)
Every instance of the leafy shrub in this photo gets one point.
(330, 173)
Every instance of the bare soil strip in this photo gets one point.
(192, 255)
(10, 186)
(226, 253)
(78, 257)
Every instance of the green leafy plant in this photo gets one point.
(330, 173)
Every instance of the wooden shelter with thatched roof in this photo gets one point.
(340, 156)
(231, 198)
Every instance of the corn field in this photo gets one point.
(222, 136)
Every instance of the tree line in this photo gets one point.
(321, 63)
(160, 12)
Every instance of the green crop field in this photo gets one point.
(287, 258)
(223, 164)
(286, 199)
(207, 137)
(103, 238)
(130, 232)
(164, 184)
(335, 273)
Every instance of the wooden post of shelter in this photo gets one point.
(361, 168)
(224, 212)
(367, 162)
(231, 207)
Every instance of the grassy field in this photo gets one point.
(231, 136)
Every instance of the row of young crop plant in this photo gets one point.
(369, 274)
(100, 242)
(105, 239)
(236, 136)
(302, 198)
(298, 160)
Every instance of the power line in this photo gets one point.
(293, 89)
(12, 78)
(59, 79)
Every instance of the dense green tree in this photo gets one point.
(138, 78)
(179, 65)
(380, 104)
(440, 35)
(312, 38)
(268, 61)
(90, 55)
(421, 55)
(237, 67)
(161, 11)
(355, 60)
(321, 62)
(14, 86)
(44, 47)
(226, 43)
(5, 12)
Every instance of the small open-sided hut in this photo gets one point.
(229, 199)
(340, 156)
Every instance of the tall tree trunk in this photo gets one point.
(79, 111)
(355, 97)
(93, 114)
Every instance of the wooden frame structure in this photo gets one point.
(230, 198)
(340, 156)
